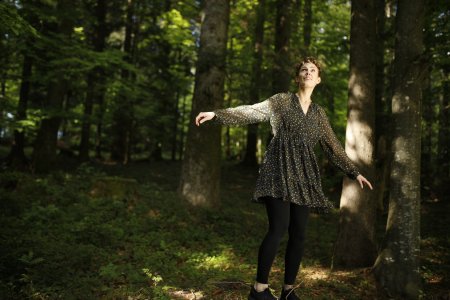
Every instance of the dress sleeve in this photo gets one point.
(333, 148)
(245, 114)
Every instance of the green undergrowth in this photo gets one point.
(113, 232)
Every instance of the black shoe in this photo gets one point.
(288, 295)
(264, 295)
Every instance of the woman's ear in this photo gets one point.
(319, 80)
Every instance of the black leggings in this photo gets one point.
(283, 216)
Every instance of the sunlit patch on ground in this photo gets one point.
(223, 260)
(188, 295)
(315, 273)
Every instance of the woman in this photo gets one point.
(289, 182)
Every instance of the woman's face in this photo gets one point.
(308, 76)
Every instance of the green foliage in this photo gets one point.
(12, 23)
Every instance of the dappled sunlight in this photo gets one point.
(321, 283)
(350, 192)
(314, 273)
(183, 294)
(357, 139)
(224, 260)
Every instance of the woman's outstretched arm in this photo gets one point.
(240, 115)
(336, 153)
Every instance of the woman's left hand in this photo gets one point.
(361, 179)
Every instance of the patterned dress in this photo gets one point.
(289, 169)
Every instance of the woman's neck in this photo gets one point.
(304, 95)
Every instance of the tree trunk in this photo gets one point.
(383, 98)
(443, 157)
(228, 136)
(381, 114)
(99, 129)
(2, 96)
(123, 114)
(228, 155)
(200, 176)
(355, 246)
(44, 154)
(281, 66)
(17, 158)
(296, 33)
(307, 26)
(182, 121)
(252, 130)
(86, 126)
(175, 125)
(95, 89)
(397, 266)
(428, 118)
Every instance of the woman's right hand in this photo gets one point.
(203, 117)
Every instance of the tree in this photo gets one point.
(123, 114)
(307, 26)
(397, 266)
(428, 118)
(281, 66)
(200, 175)
(44, 154)
(381, 106)
(355, 246)
(16, 158)
(95, 90)
(255, 85)
(443, 158)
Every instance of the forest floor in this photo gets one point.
(114, 232)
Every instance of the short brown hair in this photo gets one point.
(305, 60)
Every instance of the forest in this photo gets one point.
(108, 189)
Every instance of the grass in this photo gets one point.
(112, 232)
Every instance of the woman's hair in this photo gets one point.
(305, 60)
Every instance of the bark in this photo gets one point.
(166, 93)
(2, 96)
(17, 158)
(443, 157)
(228, 155)
(99, 128)
(175, 125)
(95, 88)
(255, 84)
(428, 118)
(182, 121)
(200, 176)
(381, 128)
(397, 266)
(383, 98)
(281, 67)
(44, 154)
(123, 114)
(86, 126)
(296, 33)
(227, 142)
(307, 26)
(355, 246)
